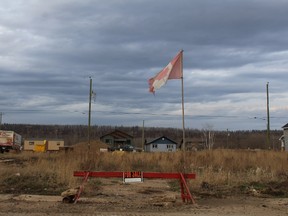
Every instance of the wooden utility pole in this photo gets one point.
(1, 119)
(143, 137)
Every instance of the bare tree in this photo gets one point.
(208, 136)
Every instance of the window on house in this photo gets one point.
(169, 146)
(58, 143)
(31, 143)
(154, 146)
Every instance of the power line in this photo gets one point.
(140, 113)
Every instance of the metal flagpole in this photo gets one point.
(89, 116)
(182, 84)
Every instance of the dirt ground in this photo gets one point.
(151, 197)
(112, 197)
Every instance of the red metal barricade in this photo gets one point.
(185, 192)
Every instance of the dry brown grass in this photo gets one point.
(239, 166)
(217, 167)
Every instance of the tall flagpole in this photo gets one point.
(169, 72)
(182, 84)
(89, 115)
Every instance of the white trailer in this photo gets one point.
(9, 140)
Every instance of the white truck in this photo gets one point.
(10, 140)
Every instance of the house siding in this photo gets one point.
(117, 139)
(285, 133)
(108, 139)
(162, 144)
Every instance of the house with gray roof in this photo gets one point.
(161, 144)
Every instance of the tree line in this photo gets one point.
(73, 134)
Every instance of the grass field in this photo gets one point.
(44, 173)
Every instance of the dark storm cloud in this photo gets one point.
(231, 50)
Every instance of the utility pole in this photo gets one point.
(89, 115)
(143, 137)
(1, 119)
(268, 115)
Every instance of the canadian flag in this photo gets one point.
(172, 71)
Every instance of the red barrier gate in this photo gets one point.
(185, 192)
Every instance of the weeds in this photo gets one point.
(50, 173)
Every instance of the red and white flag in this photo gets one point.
(172, 71)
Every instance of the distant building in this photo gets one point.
(55, 145)
(29, 144)
(284, 138)
(161, 144)
(117, 139)
(41, 145)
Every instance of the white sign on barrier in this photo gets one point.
(131, 177)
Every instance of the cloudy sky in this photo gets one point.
(232, 48)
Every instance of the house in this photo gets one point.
(41, 145)
(284, 138)
(117, 139)
(161, 144)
